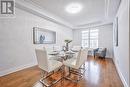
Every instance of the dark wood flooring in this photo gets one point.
(99, 73)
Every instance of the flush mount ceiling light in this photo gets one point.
(73, 8)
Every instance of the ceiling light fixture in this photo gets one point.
(73, 8)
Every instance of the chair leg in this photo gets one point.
(76, 72)
(46, 75)
(69, 72)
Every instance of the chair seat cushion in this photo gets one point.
(53, 64)
(70, 63)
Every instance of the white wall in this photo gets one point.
(105, 37)
(17, 50)
(122, 53)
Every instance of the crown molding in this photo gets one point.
(96, 25)
(32, 8)
(91, 23)
(23, 5)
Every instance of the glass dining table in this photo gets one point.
(62, 55)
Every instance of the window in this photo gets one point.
(85, 38)
(93, 38)
(90, 38)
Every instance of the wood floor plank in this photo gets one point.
(99, 73)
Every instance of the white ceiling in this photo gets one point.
(93, 12)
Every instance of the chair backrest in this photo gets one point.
(42, 59)
(81, 58)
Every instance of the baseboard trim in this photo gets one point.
(12, 70)
(120, 74)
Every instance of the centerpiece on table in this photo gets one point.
(67, 41)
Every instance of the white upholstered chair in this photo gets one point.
(47, 66)
(50, 51)
(75, 64)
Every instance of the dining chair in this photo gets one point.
(50, 53)
(77, 65)
(48, 67)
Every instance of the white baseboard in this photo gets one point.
(14, 69)
(120, 74)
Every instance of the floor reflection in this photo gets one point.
(93, 72)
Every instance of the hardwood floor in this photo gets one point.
(99, 73)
